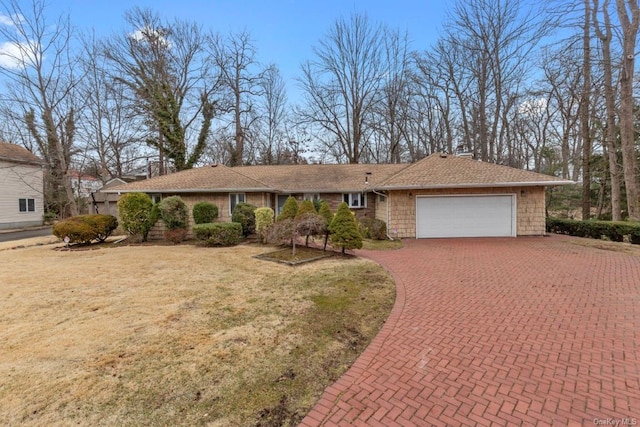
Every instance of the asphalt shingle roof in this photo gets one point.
(442, 170)
(434, 171)
(16, 153)
(208, 178)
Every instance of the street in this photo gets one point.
(24, 234)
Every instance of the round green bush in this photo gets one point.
(244, 214)
(204, 212)
(136, 214)
(174, 212)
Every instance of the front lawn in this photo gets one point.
(178, 335)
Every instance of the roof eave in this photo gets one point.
(476, 185)
(23, 161)
(188, 190)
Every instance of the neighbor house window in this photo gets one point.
(355, 200)
(27, 205)
(234, 199)
(311, 196)
(156, 198)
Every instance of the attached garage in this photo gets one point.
(479, 215)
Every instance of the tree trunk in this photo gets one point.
(609, 128)
(584, 114)
(629, 26)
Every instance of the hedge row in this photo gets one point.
(612, 230)
(218, 233)
(86, 228)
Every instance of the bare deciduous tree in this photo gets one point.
(112, 131)
(629, 17)
(341, 85)
(39, 65)
(605, 34)
(166, 71)
(272, 133)
(240, 78)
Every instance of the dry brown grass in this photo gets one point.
(164, 335)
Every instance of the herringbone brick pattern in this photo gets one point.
(525, 331)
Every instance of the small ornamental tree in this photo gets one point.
(204, 212)
(289, 209)
(310, 224)
(325, 212)
(264, 219)
(344, 229)
(284, 232)
(137, 215)
(245, 215)
(175, 216)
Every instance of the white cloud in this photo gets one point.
(15, 55)
(10, 21)
(146, 34)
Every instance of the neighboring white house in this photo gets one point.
(21, 187)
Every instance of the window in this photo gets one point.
(234, 199)
(355, 200)
(311, 196)
(156, 198)
(27, 205)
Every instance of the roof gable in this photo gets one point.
(15, 153)
(442, 170)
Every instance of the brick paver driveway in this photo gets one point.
(499, 332)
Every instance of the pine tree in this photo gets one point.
(305, 207)
(325, 212)
(289, 210)
(344, 229)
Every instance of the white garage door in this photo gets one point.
(466, 216)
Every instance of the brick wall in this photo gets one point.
(221, 200)
(530, 216)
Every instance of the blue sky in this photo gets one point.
(284, 31)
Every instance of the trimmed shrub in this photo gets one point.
(85, 228)
(344, 229)
(175, 235)
(289, 209)
(373, 228)
(136, 213)
(174, 212)
(306, 207)
(264, 219)
(325, 212)
(204, 212)
(219, 233)
(614, 231)
(245, 215)
(104, 225)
